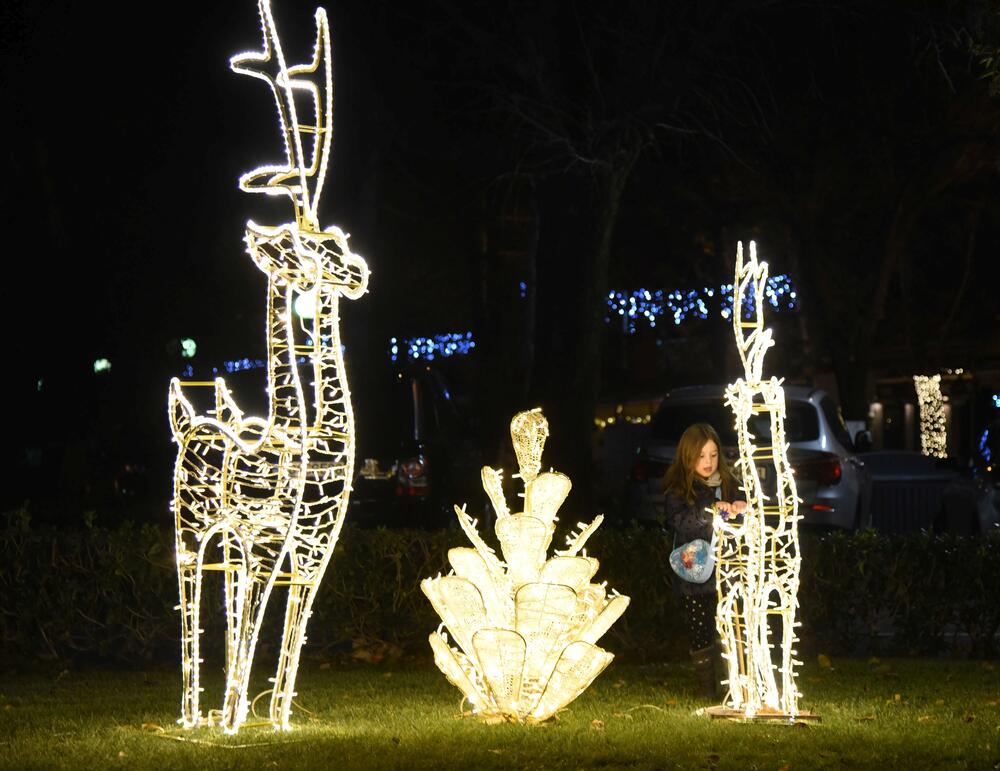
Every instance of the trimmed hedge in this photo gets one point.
(110, 594)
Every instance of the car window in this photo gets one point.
(801, 422)
(671, 419)
(832, 414)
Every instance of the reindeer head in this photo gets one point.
(299, 253)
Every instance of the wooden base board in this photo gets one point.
(724, 713)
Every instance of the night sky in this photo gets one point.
(835, 133)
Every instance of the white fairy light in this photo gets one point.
(933, 425)
(188, 348)
(525, 626)
(757, 559)
(268, 495)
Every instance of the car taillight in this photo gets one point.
(826, 471)
(412, 468)
(411, 481)
(645, 469)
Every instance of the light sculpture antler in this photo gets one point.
(263, 499)
(933, 426)
(757, 558)
(526, 626)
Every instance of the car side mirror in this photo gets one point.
(863, 441)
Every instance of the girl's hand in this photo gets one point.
(730, 509)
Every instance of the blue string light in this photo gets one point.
(984, 448)
(639, 305)
(996, 401)
(681, 304)
(429, 348)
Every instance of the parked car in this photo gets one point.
(909, 492)
(829, 475)
(415, 454)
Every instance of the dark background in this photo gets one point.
(576, 147)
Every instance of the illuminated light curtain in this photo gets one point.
(757, 557)
(933, 425)
(525, 625)
(262, 500)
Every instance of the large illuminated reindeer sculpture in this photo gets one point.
(263, 499)
(758, 558)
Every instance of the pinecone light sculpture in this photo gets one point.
(526, 626)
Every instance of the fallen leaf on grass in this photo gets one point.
(786, 767)
(596, 725)
(939, 702)
(325, 665)
(618, 684)
(151, 727)
(122, 753)
(673, 702)
(496, 752)
(494, 720)
(863, 718)
(924, 718)
(992, 702)
(824, 661)
(622, 714)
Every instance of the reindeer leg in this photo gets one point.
(189, 580)
(300, 597)
(241, 637)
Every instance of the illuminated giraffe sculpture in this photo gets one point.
(263, 499)
(758, 558)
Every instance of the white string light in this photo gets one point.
(525, 626)
(757, 557)
(262, 500)
(933, 424)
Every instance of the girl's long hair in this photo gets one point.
(680, 477)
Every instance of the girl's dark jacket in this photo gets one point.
(691, 520)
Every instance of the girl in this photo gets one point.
(697, 484)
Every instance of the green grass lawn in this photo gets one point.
(909, 714)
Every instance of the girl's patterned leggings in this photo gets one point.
(699, 615)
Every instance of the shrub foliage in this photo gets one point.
(110, 594)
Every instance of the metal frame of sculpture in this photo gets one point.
(525, 626)
(933, 424)
(757, 556)
(263, 499)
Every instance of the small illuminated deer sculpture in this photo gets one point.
(758, 558)
(263, 499)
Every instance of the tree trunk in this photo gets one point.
(584, 384)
